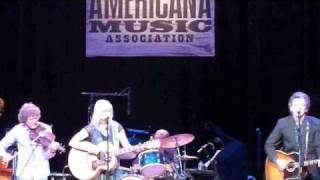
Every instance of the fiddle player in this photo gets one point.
(102, 128)
(33, 157)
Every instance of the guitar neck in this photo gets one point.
(129, 149)
(311, 162)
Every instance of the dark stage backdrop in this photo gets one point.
(265, 50)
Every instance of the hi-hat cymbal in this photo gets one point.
(187, 157)
(176, 140)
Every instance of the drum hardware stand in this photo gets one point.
(185, 174)
(179, 157)
(126, 92)
(181, 171)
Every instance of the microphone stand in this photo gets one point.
(28, 161)
(108, 148)
(300, 146)
(14, 164)
(207, 164)
(35, 145)
(180, 173)
(90, 107)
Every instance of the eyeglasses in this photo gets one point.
(35, 116)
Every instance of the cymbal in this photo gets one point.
(187, 157)
(176, 140)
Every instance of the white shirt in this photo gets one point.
(32, 158)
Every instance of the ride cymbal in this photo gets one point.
(176, 140)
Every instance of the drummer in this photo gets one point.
(169, 155)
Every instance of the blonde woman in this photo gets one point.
(102, 129)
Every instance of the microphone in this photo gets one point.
(205, 146)
(300, 114)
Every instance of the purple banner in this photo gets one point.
(150, 28)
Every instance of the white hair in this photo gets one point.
(100, 106)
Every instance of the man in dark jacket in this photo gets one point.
(296, 132)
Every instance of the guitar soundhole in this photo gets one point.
(291, 166)
(95, 165)
(106, 158)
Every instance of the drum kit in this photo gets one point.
(153, 164)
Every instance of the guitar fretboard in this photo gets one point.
(130, 149)
(311, 162)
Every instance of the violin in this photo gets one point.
(40, 136)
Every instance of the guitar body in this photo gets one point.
(84, 165)
(272, 172)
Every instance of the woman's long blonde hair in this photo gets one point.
(100, 106)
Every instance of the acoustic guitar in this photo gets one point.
(292, 171)
(84, 165)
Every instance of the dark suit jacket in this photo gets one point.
(284, 137)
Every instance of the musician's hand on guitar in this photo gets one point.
(282, 164)
(93, 150)
(54, 146)
(154, 144)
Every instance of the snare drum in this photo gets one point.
(151, 163)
